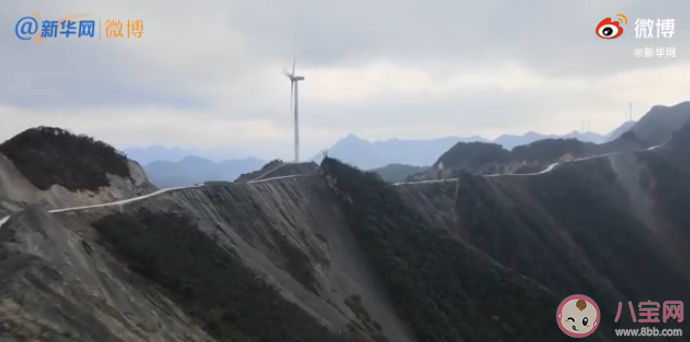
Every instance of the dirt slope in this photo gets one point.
(59, 169)
(262, 223)
(58, 286)
(612, 227)
(338, 255)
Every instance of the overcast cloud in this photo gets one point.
(207, 73)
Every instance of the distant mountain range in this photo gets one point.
(626, 126)
(370, 155)
(366, 154)
(657, 126)
(150, 154)
(191, 170)
(394, 173)
(179, 167)
(510, 141)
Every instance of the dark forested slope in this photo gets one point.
(475, 154)
(211, 283)
(571, 230)
(668, 181)
(615, 227)
(394, 173)
(477, 259)
(245, 177)
(657, 126)
(445, 289)
(48, 156)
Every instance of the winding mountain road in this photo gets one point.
(139, 198)
(547, 169)
(259, 180)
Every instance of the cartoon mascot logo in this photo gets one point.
(578, 316)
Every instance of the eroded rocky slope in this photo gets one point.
(657, 126)
(57, 285)
(289, 231)
(335, 254)
(492, 159)
(612, 227)
(59, 169)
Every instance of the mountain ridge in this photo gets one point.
(193, 169)
(366, 154)
(373, 154)
(658, 124)
(357, 255)
(378, 153)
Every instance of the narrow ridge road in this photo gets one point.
(259, 180)
(139, 198)
(547, 169)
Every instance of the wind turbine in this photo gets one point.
(294, 103)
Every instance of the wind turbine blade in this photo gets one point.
(294, 61)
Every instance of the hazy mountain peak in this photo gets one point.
(657, 125)
(620, 130)
(352, 137)
(195, 159)
(680, 105)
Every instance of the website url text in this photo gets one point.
(647, 331)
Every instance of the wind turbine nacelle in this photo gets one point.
(299, 78)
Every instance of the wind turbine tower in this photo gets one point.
(630, 115)
(294, 102)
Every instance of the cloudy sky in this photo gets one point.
(206, 73)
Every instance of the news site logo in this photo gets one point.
(37, 29)
(610, 29)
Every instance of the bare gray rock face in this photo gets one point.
(244, 218)
(16, 192)
(59, 286)
(585, 224)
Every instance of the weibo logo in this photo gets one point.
(610, 29)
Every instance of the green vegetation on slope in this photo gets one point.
(394, 173)
(47, 156)
(658, 125)
(669, 183)
(444, 289)
(573, 231)
(245, 177)
(550, 149)
(475, 154)
(209, 282)
(680, 140)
